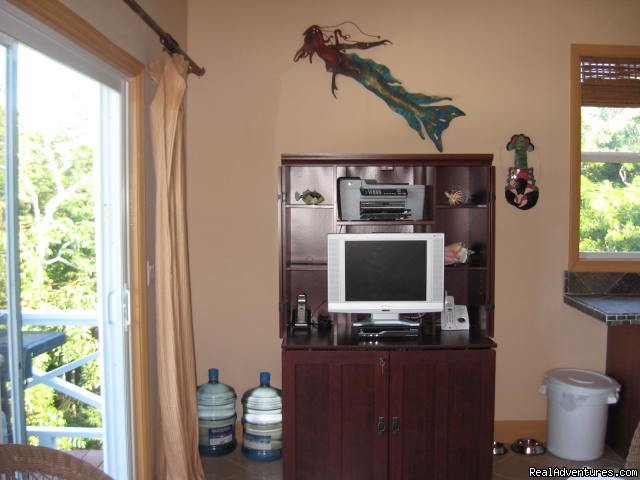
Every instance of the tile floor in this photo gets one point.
(516, 467)
(506, 467)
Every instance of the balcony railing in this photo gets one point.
(49, 435)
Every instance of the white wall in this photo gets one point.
(122, 26)
(505, 63)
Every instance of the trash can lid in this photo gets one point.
(580, 381)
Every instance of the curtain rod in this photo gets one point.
(168, 42)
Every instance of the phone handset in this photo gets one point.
(301, 316)
(454, 317)
(301, 313)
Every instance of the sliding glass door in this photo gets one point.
(64, 330)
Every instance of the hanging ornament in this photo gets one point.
(521, 190)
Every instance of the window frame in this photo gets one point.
(576, 263)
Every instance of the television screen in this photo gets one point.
(385, 271)
(385, 274)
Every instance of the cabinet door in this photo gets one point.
(334, 405)
(441, 411)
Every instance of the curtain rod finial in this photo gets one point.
(196, 70)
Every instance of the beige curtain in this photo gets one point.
(177, 428)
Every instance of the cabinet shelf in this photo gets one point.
(373, 223)
(464, 205)
(307, 267)
(322, 206)
(463, 268)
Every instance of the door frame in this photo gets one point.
(65, 21)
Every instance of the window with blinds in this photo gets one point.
(609, 145)
(610, 81)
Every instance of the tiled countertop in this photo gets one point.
(613, 298)
(611, 309)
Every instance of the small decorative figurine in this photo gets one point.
(455, 253)
(521, 190)
(456, 196)
(331, 46)
(310, 197)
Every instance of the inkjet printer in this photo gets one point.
(361, 199)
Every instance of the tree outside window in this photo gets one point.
(609, 186)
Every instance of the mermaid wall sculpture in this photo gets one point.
(331, 46)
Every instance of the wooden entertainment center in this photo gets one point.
(397, 409)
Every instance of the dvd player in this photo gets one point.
(386, 323)
(369, 329)
(375, 334)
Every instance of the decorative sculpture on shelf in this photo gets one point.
(330, 47)
(309, 197)
(521, 190)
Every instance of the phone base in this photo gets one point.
(454, 317)
(300, 323)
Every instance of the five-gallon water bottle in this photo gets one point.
(262, 421)
(216, 417)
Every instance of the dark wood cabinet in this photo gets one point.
(441, 411)
(334, 405)
(388, 414)
(413, 409)
(623, 362)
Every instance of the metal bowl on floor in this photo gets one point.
(528, 446)
(499, 448)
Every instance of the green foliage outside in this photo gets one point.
(57, 268)
(610, 192)
(3, 239)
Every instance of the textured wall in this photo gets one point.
(506, 63)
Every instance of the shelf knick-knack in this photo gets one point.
(310, 197)
(457, 196)
(456, 253)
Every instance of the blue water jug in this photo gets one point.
(216, 417)
(262, 421)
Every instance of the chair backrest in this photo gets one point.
(633, 457)
(45, 463)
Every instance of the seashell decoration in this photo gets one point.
(456, 196)
(455, 253)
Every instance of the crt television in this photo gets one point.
(385, 274)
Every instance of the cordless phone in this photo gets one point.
(301, 315)
(454, 317)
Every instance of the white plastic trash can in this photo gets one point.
(577, 402)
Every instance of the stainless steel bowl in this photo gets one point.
(528, 446)
(499, 448)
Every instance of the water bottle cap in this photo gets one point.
(265, 377)
(213, 374)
